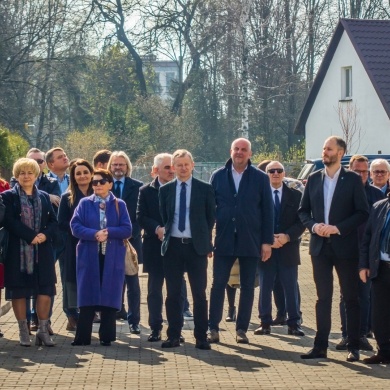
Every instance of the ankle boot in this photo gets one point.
(231, 317)
(24, 334)
(43, 334)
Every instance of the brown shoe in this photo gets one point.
(72, 324)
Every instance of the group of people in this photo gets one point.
(259, 217)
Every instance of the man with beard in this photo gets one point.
(333, 206)
(127, 189)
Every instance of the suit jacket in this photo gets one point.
(290, 224)
(149, 218)
(370, 248)
(245, 219)
(202, 214)
(130, 193)
(349, 209)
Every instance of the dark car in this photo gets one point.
(316, 164)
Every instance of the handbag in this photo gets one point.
(131, 259)
(131, 256)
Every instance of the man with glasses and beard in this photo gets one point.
(333, 205)
(127, 189)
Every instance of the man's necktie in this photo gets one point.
(182, 207)
(277, 209)
(117, 189)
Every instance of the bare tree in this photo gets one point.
(348, 114)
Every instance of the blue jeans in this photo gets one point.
(221, 273)
(288, 276)
(364, 296)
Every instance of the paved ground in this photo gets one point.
(268, 362)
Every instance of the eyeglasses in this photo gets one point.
(100, 181)
(379, 172)
(118, 165)
(40, 161)
(275, 170)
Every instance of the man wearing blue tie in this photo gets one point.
(187, 208)
(285, 257)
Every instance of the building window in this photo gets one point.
(346, 83)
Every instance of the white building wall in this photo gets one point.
(323, 120)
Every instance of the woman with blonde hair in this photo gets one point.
(29, 263)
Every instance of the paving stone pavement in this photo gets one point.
(268, 362)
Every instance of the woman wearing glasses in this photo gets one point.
(101, 223)
(80, 186)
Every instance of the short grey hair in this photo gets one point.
(181, 153)
(159, 158)
(274, 161)
(379, 161)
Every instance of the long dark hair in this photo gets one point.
(72, 181)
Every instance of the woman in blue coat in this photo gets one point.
(101, 223)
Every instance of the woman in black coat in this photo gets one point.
(29, 263)
(80, 186)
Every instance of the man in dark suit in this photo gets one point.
(187, 207)
(360, 165)
(333, 205)
(149, 219)
(127, 189)
(374, 265)
(245, 230)
(285, 258)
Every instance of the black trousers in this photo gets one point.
(107, 330)
(178, 259)
(347, 271)
(380, 292)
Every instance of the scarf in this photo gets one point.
(31, 214)
(102, 219)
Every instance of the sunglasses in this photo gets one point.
(40, 161)
(100, 181)
(276, 170)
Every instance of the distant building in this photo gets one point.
(166, 72)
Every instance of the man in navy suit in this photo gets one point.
(285, 257)
(245, 230)
(127, 189)
(187, 208)
(332, 208)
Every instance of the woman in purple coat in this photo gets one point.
(101, 223)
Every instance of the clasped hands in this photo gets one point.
(38, 239)
(102, 235)
(324, 230)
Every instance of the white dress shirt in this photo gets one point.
(175, 232)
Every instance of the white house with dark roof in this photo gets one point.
(353, 82)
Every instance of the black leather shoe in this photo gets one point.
(353, 355)
(377, 359)
(295, 330)
(76, 343)
(121, 314)
(315, 353)
(105, 343)
(263, 329)
(203, 345)
(170, 343)
(155, 336)
(182, 339)
(231, 317)
(279, 320)
(134, 329)
(342, 345)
